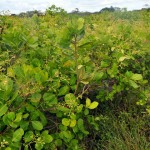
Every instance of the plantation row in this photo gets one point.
(57, 71)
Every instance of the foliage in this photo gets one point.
(53, 10)
(55, 71)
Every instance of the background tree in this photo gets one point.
(53, 10)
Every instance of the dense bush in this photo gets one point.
(53, 74)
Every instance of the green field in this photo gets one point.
(75, 81)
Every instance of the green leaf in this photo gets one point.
(38, 146)
(30, 108)
(3, 109)
(70, 99)
(98, 76)
(37, 125)
(66, 122)
(46, 137)
(28, 136)
(84, 82)
(63, 109)
(73, 116)
(55, 73)
(81, 73)
(8, 148)
(34, 115)
(11, 116)
(50, 99)
(104, 64)
(80, 124)
(128, 74)
(7, 86)
(18, 117)
(75, 129)
(88, 102)
(13, 124)
(25, 116)
(68, 64)
(74, 143)
(86, 112)
(64, 90)
(59, 114)
(79, 108)
(17, 135)
(36, 97)
(93, 105)
(125, 57)
(67, 134)
(72, 80)
(84, 45)
(73, 87)
(8, 118)
(113, 70)
(73, 123)
(136, 77)
(62, 127)
(56, 84)
(24, 125)
(80, 66)
(15, 94)
(80, 23)
(26, 147)
(36, 62)
(58, 142)
(43, 118)
(133, 84)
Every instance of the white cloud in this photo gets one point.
(16, 6)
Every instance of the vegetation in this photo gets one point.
(74, 83)
(53, 10)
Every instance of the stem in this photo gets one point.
(84, 90)
(76, 62)
(76, 87)
(76, 54)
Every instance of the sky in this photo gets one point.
(17, 6)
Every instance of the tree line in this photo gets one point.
(54, 10)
